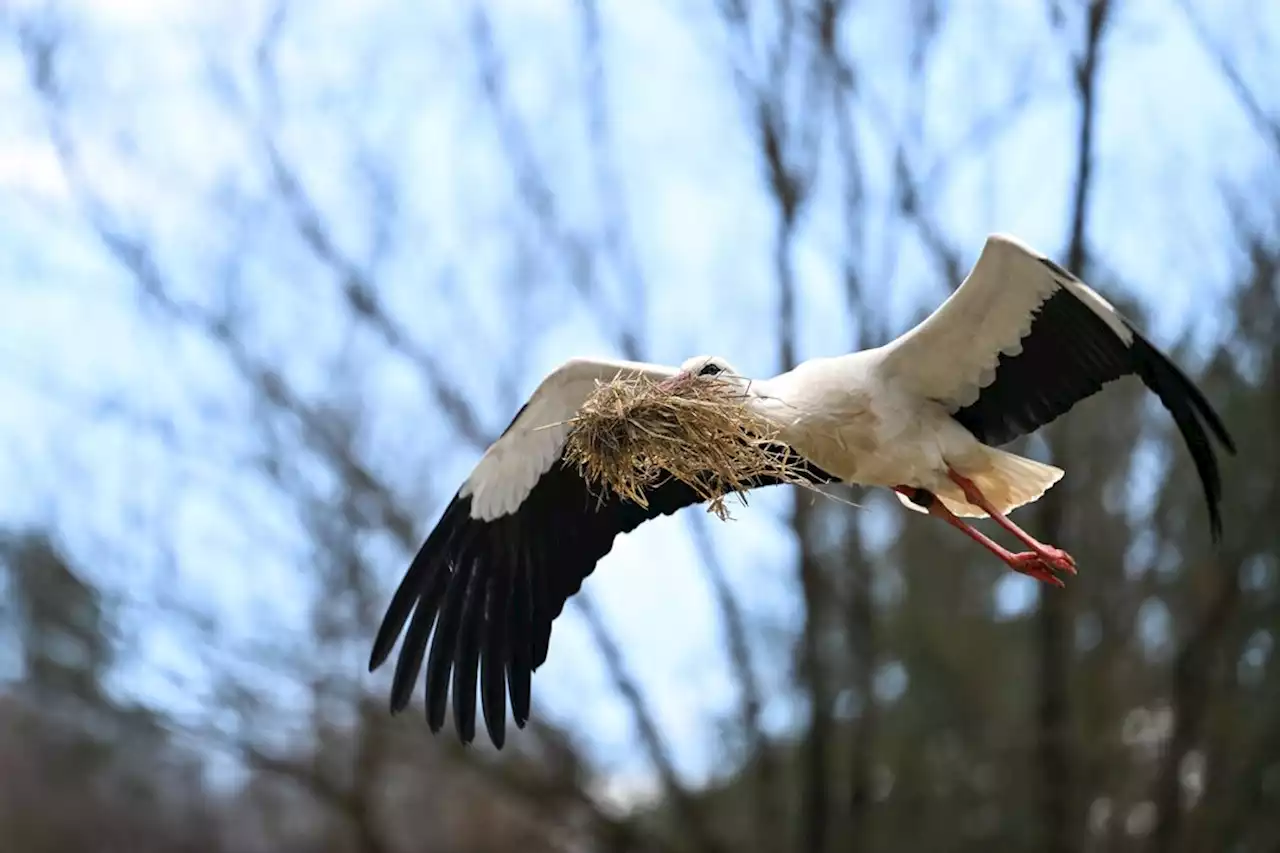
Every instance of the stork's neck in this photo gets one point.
(773, 399)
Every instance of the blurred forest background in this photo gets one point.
(272, 274)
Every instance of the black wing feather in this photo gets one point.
(1190, 411)
(415, 642)
(1069, 354)
(422, 571)
(492, 589)
(466, 662)
(444, 642)
(519, 641)
(493, 685)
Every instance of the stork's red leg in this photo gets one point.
(1026, 562)
(1056, 557)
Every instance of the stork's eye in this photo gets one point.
(710, 369)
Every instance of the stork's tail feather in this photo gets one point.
(1008, 481)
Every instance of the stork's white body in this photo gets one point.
(1013, 348)
(851, 420)
(838, 413)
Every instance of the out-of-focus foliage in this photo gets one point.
(336, 303)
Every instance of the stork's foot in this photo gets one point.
(1033, 565)
(1041, 563)
(1059, 559)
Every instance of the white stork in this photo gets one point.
(1015, 346)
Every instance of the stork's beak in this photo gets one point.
(668, 384)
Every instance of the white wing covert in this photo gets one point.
(954, 352)
(1022, 340)
(513, 464)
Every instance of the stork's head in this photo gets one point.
(707, 365)
(710, 366)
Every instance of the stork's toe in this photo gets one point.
(1034, 565)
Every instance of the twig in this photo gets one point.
(627, 327)
(1268, 125)
(615, 227)
(688, 810)
(531, 183)
(1201, 656)
(759, 753)
(789, 177)
(361, 296)
(1058, 806)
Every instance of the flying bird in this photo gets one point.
(1017, 345)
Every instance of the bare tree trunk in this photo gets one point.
(688, 809)
(366, 776)
(1053, 740)
(860, 612)
(788, 154)
(815, 775)
(1193, 672)
(816, 771)
(860, 628)
(1202, 653)
(626, 325)
(1057, 789)
(761, 760)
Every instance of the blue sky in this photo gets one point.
(400, 84)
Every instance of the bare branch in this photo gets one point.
(361, 296)
(789, 166)
(1198, 675)
(768, 812)
(868, 326)
(688, 810)
(910, 190)
(859, 622)
(1267, 125)
(974, 140)
(616, 229)
(342, 801)
(860, 627)
(264, 57)
(912, 206)
(1058, 796)
(535, 191)
(136, 258)
(1192, 686)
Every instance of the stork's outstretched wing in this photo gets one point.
(514, 544)
(1022, 340)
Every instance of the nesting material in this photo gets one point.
(633, 433)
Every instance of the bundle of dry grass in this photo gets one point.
(632, 434)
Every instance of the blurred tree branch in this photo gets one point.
(788, 154)
(534, 189)
(859, 609)
(361, 296)
(134, 255)
(688, 809)
(757, 745)
(946, 756)
(615, 237)
(627, 326)
(1268, 126)
(1202, 669)
(1059, 805)
(615, 222)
